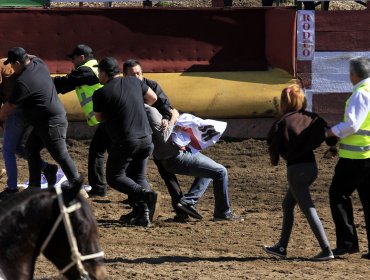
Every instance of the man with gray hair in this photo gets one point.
(353, 168)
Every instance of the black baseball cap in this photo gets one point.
(109, 65)
(16, 54)
(81, 49)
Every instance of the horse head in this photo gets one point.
(58, 249)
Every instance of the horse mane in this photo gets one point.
(18, 200)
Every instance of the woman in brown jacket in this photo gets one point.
(294, 137)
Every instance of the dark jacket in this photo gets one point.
(162, 104)
(78, 77)
(295, 134)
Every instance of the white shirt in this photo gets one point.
(356, 112)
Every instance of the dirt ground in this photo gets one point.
(219, 250)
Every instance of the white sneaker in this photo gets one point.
(84, 193)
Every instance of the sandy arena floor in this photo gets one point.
(222, 250)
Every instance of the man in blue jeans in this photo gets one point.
(14, 127)
(181, 161)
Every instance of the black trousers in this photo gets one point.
(100, 143)
(53, 138)
(171, 183)
(127, 165)
(350, 175)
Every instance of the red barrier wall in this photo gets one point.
(165, 40)
(281, 38)
(343, 31)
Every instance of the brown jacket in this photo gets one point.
(295, 134)
(6, 80)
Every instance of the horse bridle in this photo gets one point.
(76, 256)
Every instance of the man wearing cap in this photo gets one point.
(35, 92)
(133, 68)
(14, 128)
(84, 80)
(120, 104)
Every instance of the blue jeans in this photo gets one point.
(13, 131)
(205, 170)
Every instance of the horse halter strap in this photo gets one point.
(76, 256)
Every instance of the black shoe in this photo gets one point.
(97, 193)
(50, 173)
(181, 217)
(152, 199)
(8, 193)
(126, 201)
(143, 218)
(228, 217)
(276, 250)
(366, 256)
(131, 217)
(325, 255)
(190, 210)
(342, 251)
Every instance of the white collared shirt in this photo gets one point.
(356, 112)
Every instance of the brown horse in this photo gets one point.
(31, 222)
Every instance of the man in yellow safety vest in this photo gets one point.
(84, 80)
(353, 168)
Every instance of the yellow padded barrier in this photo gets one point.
(213, 94)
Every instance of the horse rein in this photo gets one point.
(76, 256)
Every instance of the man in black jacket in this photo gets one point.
(120, 104)
(35, 93)
(133, 68)
(84, 80)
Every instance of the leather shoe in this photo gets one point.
(152, 199)
(366, 256)
(97, 193)
(190, 210)
(342, 251)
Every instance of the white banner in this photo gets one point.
(196, 133)
(305, 35)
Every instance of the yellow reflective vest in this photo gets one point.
(357, 145)
(85, 93)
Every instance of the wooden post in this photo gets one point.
(228, 3)
(147, 3)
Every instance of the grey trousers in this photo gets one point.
(300, 177)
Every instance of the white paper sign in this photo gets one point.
(305, 35)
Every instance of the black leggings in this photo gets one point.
(300, 177)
